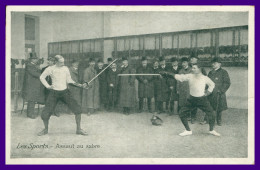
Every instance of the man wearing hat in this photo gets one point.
(32, 91)
(127, 87)
(222, 83)
(172, 83)
(156, 82)
(74, 73)
(162, 89)
(183, 87)
(145, 85)
(113, 85)
(102, 84)
(91, 97)
(60, 76)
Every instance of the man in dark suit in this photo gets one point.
(113, 86)
(162, 91)
(32, 91)
(172, 83)
(222, 83)
(156, 83)
(102, 84)
(145, 85)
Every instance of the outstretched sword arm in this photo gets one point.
(101, 72)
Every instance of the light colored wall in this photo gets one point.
(77, 25)
(237, 94)
(17, 35)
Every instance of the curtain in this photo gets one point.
(167, 41)
(120, 45)
(175, 41)
(243, 37)
(184, 41)
(225, 38)
(98, 46)
(149, 42)
(157, 42)
(75, 47)
(85, 46)
(203, 40)
(134, 43)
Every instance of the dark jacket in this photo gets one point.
(161, 89)
(145, 90)
(102, 85)
(113, 91)
(222, 83)
(76, 92)
(183, 88)
(127, 88)
(33, 90)
(173, 82)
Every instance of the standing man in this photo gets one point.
(127, 87)
(51, 62)
(102, 84)
(222, 83)
(91, 98)
(145, 85)
(198, 97)
(32, 91)
(172, 83)
(194, 59)
(156, 83)
(74, 72)
(162, 90)
(60, 76)
(113, 84)
(183, 88)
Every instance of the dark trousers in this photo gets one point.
(141, 103)
(30, 109)
(201, 103)
(52, 100)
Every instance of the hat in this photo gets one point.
(143, 58)
(33, 56)
(155, 60)
(216, 59)
(183, 59)
(74, 61)
(51, 59)
(100, 61)
(109, 59)
(194, 55)
(124, 58)
(156, 121)
(173, 59)
(161, 58)
(91, 60)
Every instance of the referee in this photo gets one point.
(60, 76)
(198, 97)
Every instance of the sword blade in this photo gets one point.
(138, 74)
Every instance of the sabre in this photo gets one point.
(101, 72)
(138, 74)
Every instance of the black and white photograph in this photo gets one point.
(130, 85)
